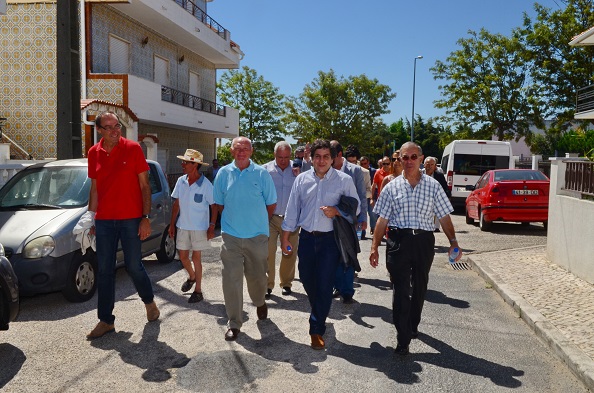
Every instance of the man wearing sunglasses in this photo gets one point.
(407, 206)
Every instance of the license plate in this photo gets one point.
(525, 192)
(462, 189)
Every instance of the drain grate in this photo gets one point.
(460, 266)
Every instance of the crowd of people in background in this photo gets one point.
(317, 202)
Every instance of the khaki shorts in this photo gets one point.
(191, 240)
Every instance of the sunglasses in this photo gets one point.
(395, 159)
(412, 157)
(385, 163)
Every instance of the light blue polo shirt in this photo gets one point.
(194, 203)
(245, 195)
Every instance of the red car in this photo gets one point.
(517, 195)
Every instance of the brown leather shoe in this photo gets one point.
(101, 329)
(262, 312)
(152, 312)
(231, 334)
(317, 342)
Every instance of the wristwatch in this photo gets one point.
(146, 216)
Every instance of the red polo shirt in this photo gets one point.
(116, 176)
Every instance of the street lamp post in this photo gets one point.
(412, 119)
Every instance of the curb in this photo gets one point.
(578, 362)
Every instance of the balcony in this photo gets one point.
(164, 106)
(186, 24)
(584, 108)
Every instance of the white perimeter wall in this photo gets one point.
(570, 235)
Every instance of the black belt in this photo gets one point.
(317, 233)
(407, 231)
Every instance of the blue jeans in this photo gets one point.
(319, 258)
(343, 281)
(108, 233)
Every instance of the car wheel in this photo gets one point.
(3, 312)
(167, 250)
(483, 223)
(81, 282)
(469, 220)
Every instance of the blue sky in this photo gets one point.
(288, 42)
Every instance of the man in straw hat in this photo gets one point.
(193, 197)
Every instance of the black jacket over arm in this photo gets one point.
(345, 232)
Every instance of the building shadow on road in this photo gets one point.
(150, 354)
(12, 361)
(406, 369)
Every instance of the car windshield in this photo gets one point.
(47, 187)
(519, 175)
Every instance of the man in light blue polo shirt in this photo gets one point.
(246, 198)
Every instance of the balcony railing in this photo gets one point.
(579, 176)
(585, 99)
(202, 16)
(200, 104)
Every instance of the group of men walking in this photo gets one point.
(316, 204)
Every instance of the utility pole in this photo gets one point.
(68, 123)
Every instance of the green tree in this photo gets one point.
(559, 69)
(487, 86)
(345, 109)
(261, 108)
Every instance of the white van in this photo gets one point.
(464, 161)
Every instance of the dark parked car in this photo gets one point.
(39, 207)
(9, 292)
(517, 195)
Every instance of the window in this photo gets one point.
(476, 164)
(119, 55)
(161, 71)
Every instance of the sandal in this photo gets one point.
(187, 285)
(196, 297)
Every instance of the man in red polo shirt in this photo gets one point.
(120, 200)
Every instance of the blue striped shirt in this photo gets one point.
(407, 207)
(309, 193)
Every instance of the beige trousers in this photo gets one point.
(286, 271)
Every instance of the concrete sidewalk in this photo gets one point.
(557, 305)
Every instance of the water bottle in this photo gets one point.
(288, 249)
(453, 255)
(359, 231)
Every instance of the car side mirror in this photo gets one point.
(470, 188)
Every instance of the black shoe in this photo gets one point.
(436, 230)
(268, 292)
(196, 297)
(415, 334)
(287, 291)
(231, 334)
(401, 350)
(348, 300)
(335, 294)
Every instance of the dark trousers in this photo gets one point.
(409, 259)
(108, 233)
(319, 257)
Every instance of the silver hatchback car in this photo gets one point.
(39, 208)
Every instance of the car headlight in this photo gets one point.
(39, 248)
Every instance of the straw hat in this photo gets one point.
(192, 155)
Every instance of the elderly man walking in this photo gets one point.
(283, 174)
(406, 206)
(246, 198)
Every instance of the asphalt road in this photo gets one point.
(470, 340)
